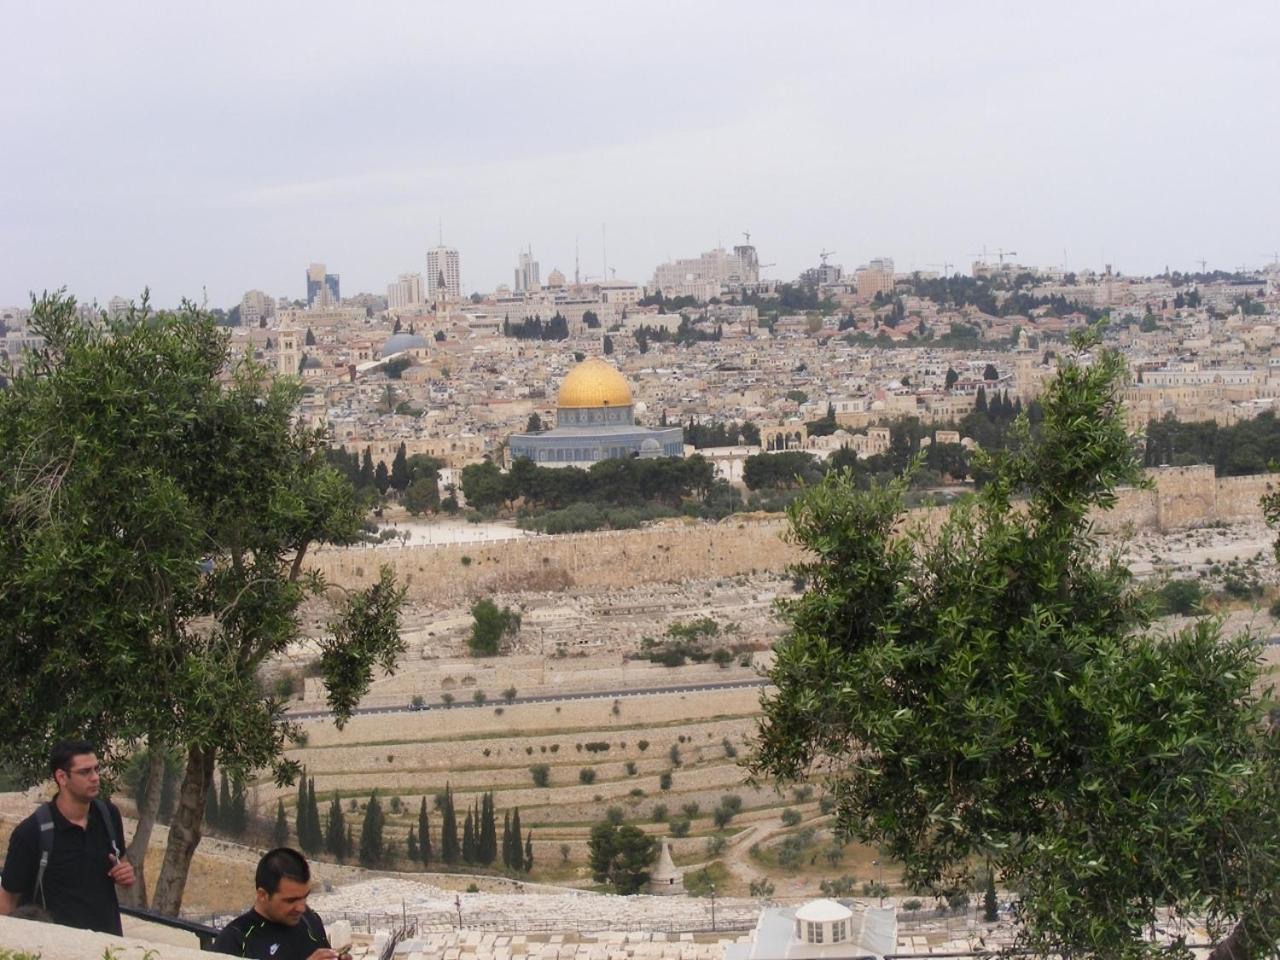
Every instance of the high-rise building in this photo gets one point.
(405, 292)
(442, 267)
(322, 286)
(706, 275)
(527, 274)
(256, 307)
(874, 277)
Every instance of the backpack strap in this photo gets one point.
(44, 819)
(104, 811)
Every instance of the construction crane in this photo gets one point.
(746, 236)
(1203, 264)
(1001, 253)
(946, 267)
(826, 253)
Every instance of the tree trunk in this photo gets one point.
(184, 831)
(1232, 947)
(136, 896)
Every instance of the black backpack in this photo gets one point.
(45, 820)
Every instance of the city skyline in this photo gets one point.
(1134, 136)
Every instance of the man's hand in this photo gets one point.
(121, 871)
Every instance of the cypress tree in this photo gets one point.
(528, 852)
(449, 848)
(469, 840)
(224, 801)
(424, 834)
(371, 849)
(411, 845)
(400, 470)
(238, 819)
(488, 845)
(300, 814)
(517, 842)
(315, 836)
(281, 834)
(335, 837)
(350, 845)
(506, 839)
(366, 470)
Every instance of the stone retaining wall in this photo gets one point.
(455, 573)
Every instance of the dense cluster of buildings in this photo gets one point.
(458, 377)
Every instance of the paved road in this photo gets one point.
(703, 687)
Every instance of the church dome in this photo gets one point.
(594, 383)
(399, 342)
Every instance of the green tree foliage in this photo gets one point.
(424, 834)
(618, 482)
(469, 854)
(487, 842)
(994, 691)
(780, 470)
(450, 847)
(280, 835)
(201, 567)
(533, 328)
(620, 855)
(528, 852)
(411, 846)
(224, 800)
(717, 434)
(372, 850)
(400, 475)
(1242, 448)
(491, 626)
(238, 820)
(307, 825)
(516, 854)
(335, 834)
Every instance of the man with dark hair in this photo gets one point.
(68, 857)
(280, 926)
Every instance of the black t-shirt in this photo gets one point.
(253, 935)
(76, 888)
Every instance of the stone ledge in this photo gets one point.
(53, 942)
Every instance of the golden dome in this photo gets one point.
(594, 383)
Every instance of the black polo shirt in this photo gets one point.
(77, 890)
(253, 935)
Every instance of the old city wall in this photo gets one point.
(455, 573)
(1179, 497)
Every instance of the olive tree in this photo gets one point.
(992, 691)
(157, 504)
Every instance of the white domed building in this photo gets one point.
(595, 420)
(820, 929)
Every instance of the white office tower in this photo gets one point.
(527, 274)
(405, 292)
(442, 266)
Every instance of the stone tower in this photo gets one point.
(665, 879)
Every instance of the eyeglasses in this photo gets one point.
(87, 771)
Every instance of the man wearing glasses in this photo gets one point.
(68, 856)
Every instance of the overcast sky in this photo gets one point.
(226, 145)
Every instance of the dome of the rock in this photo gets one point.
(594, 383)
